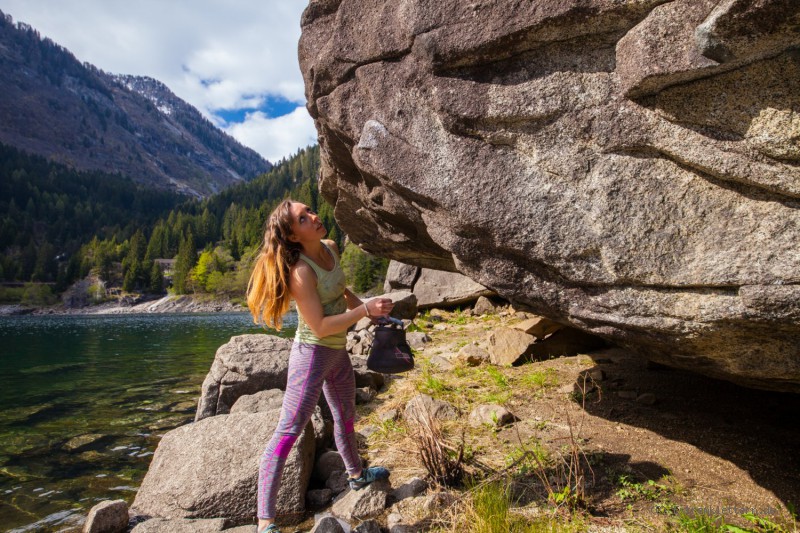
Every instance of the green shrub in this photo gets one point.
(37, 295)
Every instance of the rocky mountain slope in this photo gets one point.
(631, 168)
(74, 113)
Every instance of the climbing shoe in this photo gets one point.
(368, 475)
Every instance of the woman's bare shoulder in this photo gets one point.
(301, 271)
(332, 245)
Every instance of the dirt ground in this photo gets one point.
(657, 443)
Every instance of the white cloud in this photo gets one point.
(278, 137)
(215, 55)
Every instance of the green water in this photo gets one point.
(87, 398)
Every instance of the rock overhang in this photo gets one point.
(583, 159)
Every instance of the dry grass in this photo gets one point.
(452, 453)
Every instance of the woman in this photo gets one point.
(295, 263)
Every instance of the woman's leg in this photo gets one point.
(340, 391)
(303, 385)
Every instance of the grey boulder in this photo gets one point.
(210, 469)
(246, 364)
(107, 517)
(628, 167)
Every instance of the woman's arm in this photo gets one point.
(303, 288)
(352, 300)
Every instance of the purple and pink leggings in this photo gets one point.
(311, 368)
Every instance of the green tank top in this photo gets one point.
(330, 287)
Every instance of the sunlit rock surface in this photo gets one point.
(627, 167)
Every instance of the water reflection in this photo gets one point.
(86, 400)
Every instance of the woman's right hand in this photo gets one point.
(379, 307)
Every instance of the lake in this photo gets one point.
(86, 400)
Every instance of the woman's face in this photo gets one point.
(306, 225)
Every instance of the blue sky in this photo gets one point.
(235, 60)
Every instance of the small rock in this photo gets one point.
(368, 526)
(328, 524)
(493, 415)
(437, 315)
(627, 394)
(364, 376)
(365, 395)
(80, 441)
(506, 345)
(391, 414)
(409, 489)
(337, 481)
(540, 327)
(353, 339)
(647, 398)
(107, 517)
(423, 404)
(441, 363)
(472, 355)
(328, 463)
(417, 339)
(440, 327)
(365, 503)
(484, 306)
(319, 497)
(393, 519)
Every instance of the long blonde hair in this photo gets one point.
(268, 289)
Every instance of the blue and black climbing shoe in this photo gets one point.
(368, 475)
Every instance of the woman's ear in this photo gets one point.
(292, 238)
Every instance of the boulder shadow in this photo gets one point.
(756, 430)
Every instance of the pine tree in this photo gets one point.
(187, 255)
(156, 280)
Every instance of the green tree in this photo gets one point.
(187, 254)
(156, 280)
(204, 268)
(158, 244)
(365, 272)
(136, 276)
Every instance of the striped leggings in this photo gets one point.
(311, 368)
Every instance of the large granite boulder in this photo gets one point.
(631, 168)
(210, 469)
(246, 364)
(436, 288)
(400, 276)
(432, 288)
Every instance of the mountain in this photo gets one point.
(76, 114)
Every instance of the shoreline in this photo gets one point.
(166, 304)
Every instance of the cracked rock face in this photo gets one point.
(629, 167)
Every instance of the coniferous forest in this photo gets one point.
(60, 226)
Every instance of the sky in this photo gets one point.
(234, 60)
